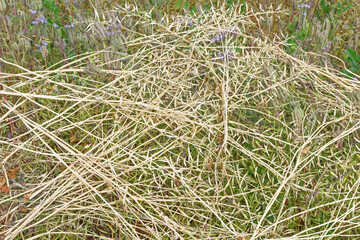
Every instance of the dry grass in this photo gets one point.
(178, 143)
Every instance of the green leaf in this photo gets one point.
(52, 7)
(243, 8)
(193, 10)
(351, 53)
(178, 4)
(354, 69)
(322, 4)
(347, 8)
(186, 4)
(229, 4)
(349, 74)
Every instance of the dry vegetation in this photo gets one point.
(171, 134)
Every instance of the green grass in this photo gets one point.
(127, 126)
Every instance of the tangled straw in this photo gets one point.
(177, 142)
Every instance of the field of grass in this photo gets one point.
(179, 120)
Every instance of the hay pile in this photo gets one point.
(187, 128)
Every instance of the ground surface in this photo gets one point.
(226, 122)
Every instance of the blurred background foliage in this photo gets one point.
(323, 27)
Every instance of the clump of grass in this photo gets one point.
(180, 129)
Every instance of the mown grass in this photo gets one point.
(227, 122)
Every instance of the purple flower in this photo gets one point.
(304, 13)
(40, 46)
(69, 26)
(42, 19)
(55, 25)
(234, 31)
(33, 12)
(190, 23)
(225, 55)
(304, 6)
(77, 3)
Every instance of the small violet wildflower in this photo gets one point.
(304, 6)
(43, 44)
(33, 12)
(110, 33)
(223, 34)
(42, 19)
(234, 31)
(225, 55)
(76, 3)
(55, 25)
(69, 26)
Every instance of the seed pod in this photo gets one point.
(82, 20)
(21, 14)
(36, 4)
(44, 52)
(3, 6)
(98, 30)
(24, 43)
(92, 69)
(118, 41)
(61, 44)
(66, 2)
(15, 46)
